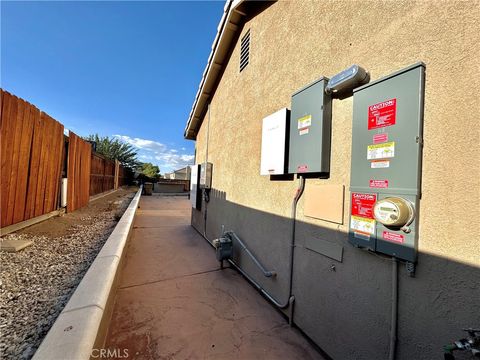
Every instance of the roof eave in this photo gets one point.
(228, 27)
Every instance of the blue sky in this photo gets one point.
(126, 69)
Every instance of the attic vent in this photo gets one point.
(245, 51)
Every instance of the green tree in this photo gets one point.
(149, 170)
(113, 149)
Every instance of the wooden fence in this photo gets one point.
(78, 173)
(32, 162)
(31, 157)
(102, 176)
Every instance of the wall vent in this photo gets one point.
(245, 51)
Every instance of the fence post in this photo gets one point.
(117, 171)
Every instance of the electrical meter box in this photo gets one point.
(385, 181)
(195, 195)
(206, 175)
(275, 143)
(310, 129)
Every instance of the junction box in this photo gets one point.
(310, 129)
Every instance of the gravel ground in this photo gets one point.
(37, 282)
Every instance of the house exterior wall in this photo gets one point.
(347, 311)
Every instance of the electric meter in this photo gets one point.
(394, 212)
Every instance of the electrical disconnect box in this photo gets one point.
(310, 129)
(275, 143)
(206, 175)
(386, 165)
(195, 195)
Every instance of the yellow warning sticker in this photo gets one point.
(304, 121)
(381, 151)
(362, 224)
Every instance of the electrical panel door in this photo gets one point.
(385, 182)
(310, 129)
(274, 143)
(195, 194)
(206, 175)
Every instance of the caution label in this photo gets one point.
(380, 164)
(362, 204)
(380, 138)
(382, 184)
(304, 122)
(362, 224)
(381, 151)
(302, 168)
(389, 236)
(382, 114)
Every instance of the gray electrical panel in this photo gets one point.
(206, 175)
(310, 129)
(385, 183)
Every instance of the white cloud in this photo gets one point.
(158, 153)
(144, 144)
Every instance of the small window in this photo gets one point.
(245, 51)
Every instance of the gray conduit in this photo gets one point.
(266, 273)
(393, 324)
(289, 301)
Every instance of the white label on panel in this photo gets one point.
(381, 151)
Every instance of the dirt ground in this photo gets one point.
(61, 225)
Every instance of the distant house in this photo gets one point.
(180, 174)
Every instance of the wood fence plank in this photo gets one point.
(8, 129)
(79, 164)
(86, 177)
(15, 160)
(34, 165)
(50, 179)
(23, 164)
(42, 172)
(58, 171)
(70, 171)
(7, 133)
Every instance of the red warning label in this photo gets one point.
(382, 184)
(302, 168)
(380, 138)
(389, 236)
(382, 114)
(362, 204)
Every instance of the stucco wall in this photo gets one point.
(347, 311)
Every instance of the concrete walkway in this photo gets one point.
(174, 302)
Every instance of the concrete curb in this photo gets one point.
(79, 327)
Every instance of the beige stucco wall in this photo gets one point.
(296, 42)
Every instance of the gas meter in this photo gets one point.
(385, 180)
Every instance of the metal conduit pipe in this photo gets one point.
(266, 273)
(290, 299)
(393, 324)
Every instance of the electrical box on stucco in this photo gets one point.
(274, 154)
(386, 163)
(310, 129)
(195, 194)
(206, 175)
